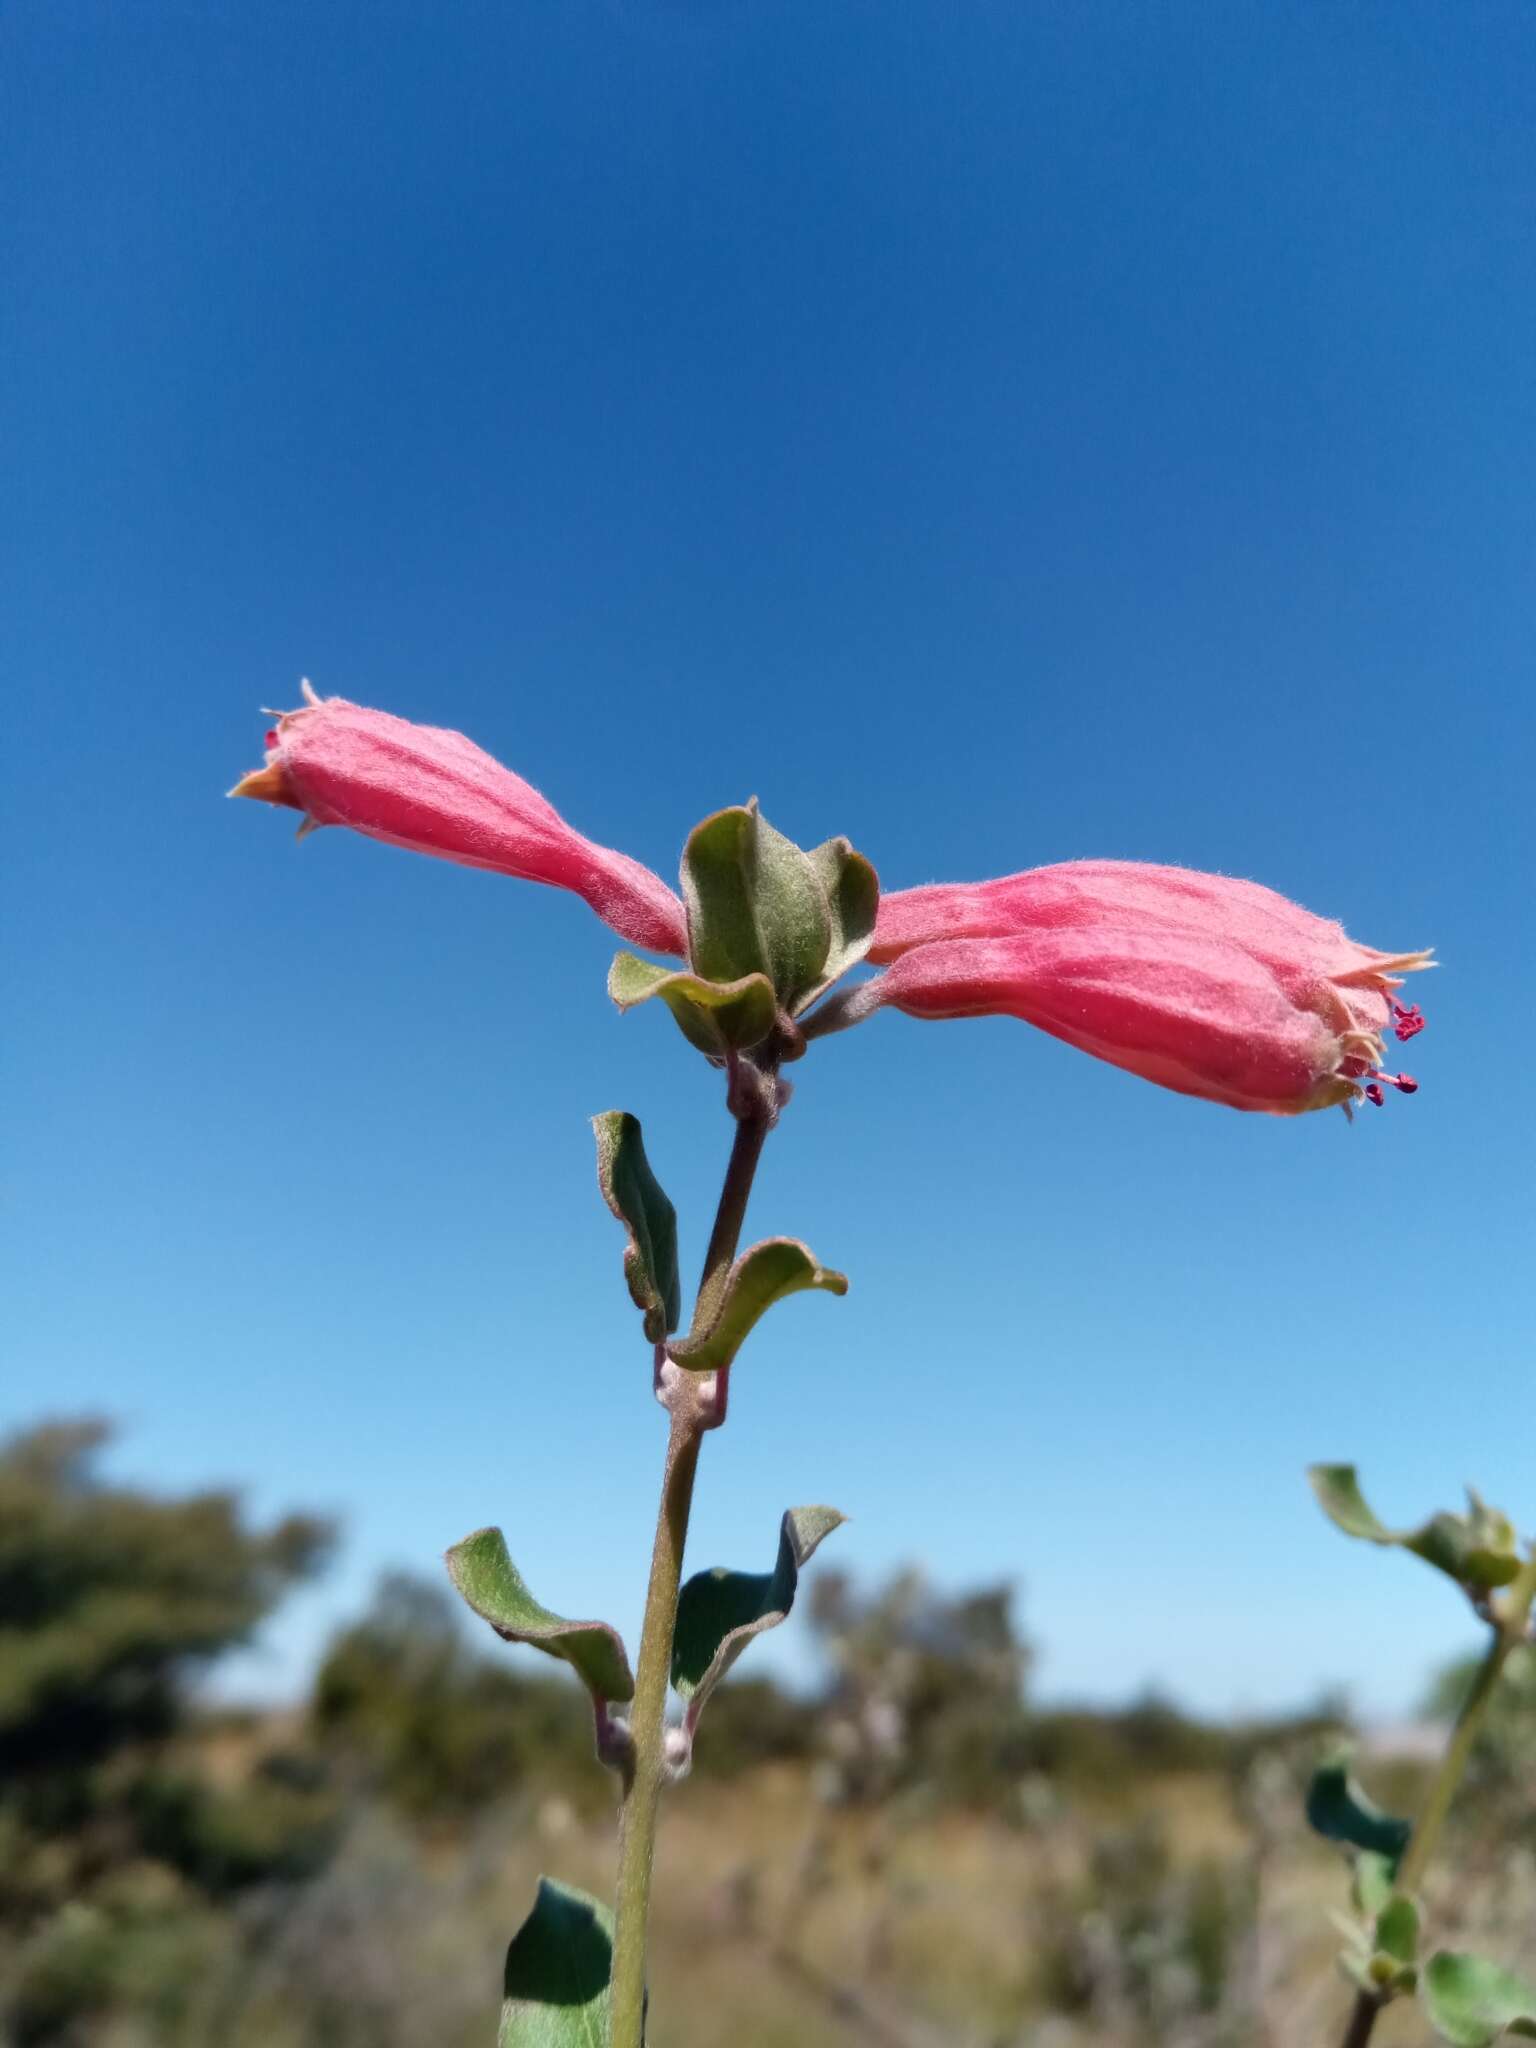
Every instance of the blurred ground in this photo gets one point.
(914, 1856)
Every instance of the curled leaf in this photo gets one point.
(637, 1198)
(492, 1585)
(716, 1017)
(719, 1612)
(1337, 1808)
(1478, 1550)
(853, 901)
(777, 1267)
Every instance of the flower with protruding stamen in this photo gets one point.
(1209, 986)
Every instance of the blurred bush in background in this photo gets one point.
(910, 1854)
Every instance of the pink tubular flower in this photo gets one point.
(437, 792)
(1209, 986)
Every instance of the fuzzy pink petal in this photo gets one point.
(436, 792)
(1193, 1012)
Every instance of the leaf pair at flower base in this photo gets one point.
(1479, 1550)
(770, 928)
(717, 1018)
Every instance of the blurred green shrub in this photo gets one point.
(409, 1707)
(112, 1600)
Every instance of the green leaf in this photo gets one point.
(1471, 2002)
(493, 1586)
(555, 1986)
(636, 1197)
(793, 915)
(767, 1273)
(1397, 1929)
(852, 891)
(759, 904)
(719, 1612)
(1374, 1885)
(717, 1017)
(1478, 1550)
(1337, 1808)
(725, 941)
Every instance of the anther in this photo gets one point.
(1408, 1021)
(1373, 1093)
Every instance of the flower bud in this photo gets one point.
(436, 792)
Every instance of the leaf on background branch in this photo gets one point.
(492, 1585)
(555, 1986)
(1471, 2002)
(1337, 1808)
(1478, 1550)
(637, 1198)
(719, 1611)
(777, 1267)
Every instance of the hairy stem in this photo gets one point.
(647, 1725)
(648, 1716)
(751, 1135)
(1510, 1622)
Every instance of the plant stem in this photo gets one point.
(647, 1727)
(648, 1715)
(751, 1135)
(1362, 2020)
(1509, 1630)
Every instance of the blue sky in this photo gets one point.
(999, 433)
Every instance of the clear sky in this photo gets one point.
(998, 432)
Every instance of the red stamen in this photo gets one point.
(1405, 1084)
(1373, 1093)
(1409, 1021)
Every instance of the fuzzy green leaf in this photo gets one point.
(1471, 2002)
(637, 1198)
(777, 1267)
(1374, 1885)
(853, 897)
(725, 941)
(1397, 1929)
(793, 915)
(1478, 1550)
(716, 1017)
(719, 1612)
(492, 1585)
(555, 1986)
(1337, 1808)
(759, 904)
